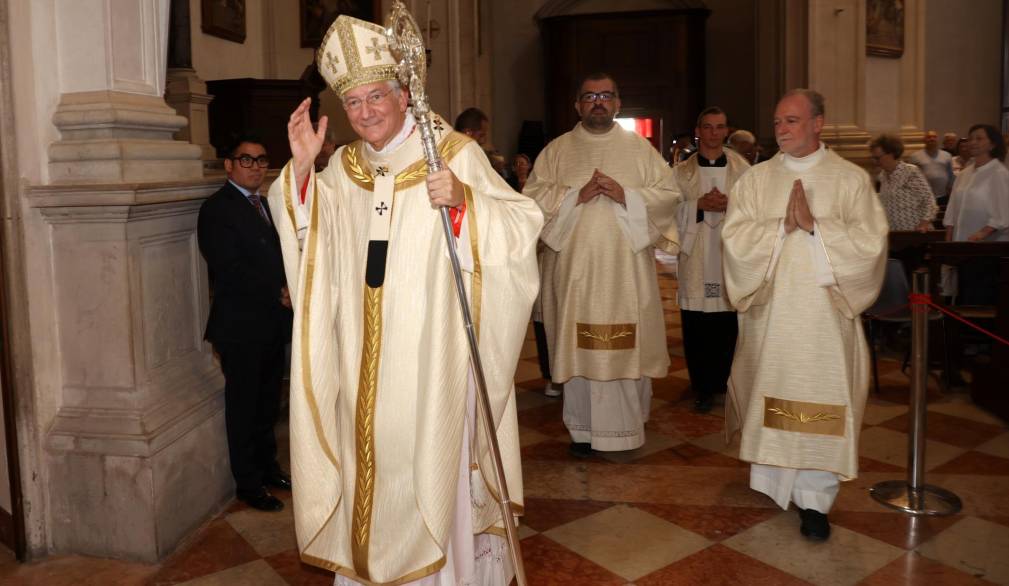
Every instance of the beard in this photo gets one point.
(598, 119)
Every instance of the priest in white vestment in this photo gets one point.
(707, 319)
(805, 249)
(609, 199)
(393, 478)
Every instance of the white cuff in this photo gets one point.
(821, 262)
(556, 233)
(633, 220)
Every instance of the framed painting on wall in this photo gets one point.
(223, 18)
(884, 28)
(317, 15)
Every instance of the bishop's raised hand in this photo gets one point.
(305, 141)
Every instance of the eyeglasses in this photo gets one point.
(246, 161)
(374, 98)
(588, 97)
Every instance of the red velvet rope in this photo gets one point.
(921, 301)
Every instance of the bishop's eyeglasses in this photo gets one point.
(373, 99)
(588, 97)
(246, 161)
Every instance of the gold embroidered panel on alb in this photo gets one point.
(606, 336)
(804, 417)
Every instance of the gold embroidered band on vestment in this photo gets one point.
(337, 568)
(606, 336)
(364, 431)
(361, 174)
(804, 417)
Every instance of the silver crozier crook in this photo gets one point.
(407, 46)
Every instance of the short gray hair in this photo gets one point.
(814, 97)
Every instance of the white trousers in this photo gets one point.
(808, 489)
(610, 415)
(470, 560)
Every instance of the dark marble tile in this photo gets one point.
(687, 454)
(912, 568)
(898, 529)
(949, 429)
(556, 451)
(719, 566)
(547, 419)
(548, 563)
(671, 388)
(869, 465)
(679, 420)
(297, 573)
(543, 514)
(217, 547)
(975, 463)
(716, 522)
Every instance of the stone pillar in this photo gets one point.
(135, 452)
(866, 95)
(137, 456)
(114, 123)
(185, 91)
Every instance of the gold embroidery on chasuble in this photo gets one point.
(364, 431)
(361, 174)
(804, 417)
(606, 336)
(306, 312)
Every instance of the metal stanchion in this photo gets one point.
(913, 495)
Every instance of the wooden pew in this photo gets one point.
(990, 385)
(911, 247)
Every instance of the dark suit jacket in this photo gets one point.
(246, 270)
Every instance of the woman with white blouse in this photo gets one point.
(903, 189)
(979, 211)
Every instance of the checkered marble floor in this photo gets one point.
(676, 511)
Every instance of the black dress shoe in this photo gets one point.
(814, 525)
(260, 499)
(278, 480)
(704, 404)
(580, 449)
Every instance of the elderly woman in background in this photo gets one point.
(520, 172)
(979, 211)
(904, 191)
(962, 158)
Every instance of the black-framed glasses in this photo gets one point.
(246, 161)
(588, 97)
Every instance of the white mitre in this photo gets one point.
(353, 53)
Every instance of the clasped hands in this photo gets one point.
(713, 201)
(601, 184)
(797, 214)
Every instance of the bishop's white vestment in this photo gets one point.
(600, 294)
(380, 361)
(800, 374)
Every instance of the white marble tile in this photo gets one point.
(887, 445)
(628, 541)
(267, 532)
(878, 411)
(846, 558)
(975, 546)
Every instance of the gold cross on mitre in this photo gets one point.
(376, 49)
(354, 53)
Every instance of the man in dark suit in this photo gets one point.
(250, 319)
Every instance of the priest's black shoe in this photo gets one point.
(703, 404)
(260, 499)
(814, 525)
(278, 480)
(581, 449)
